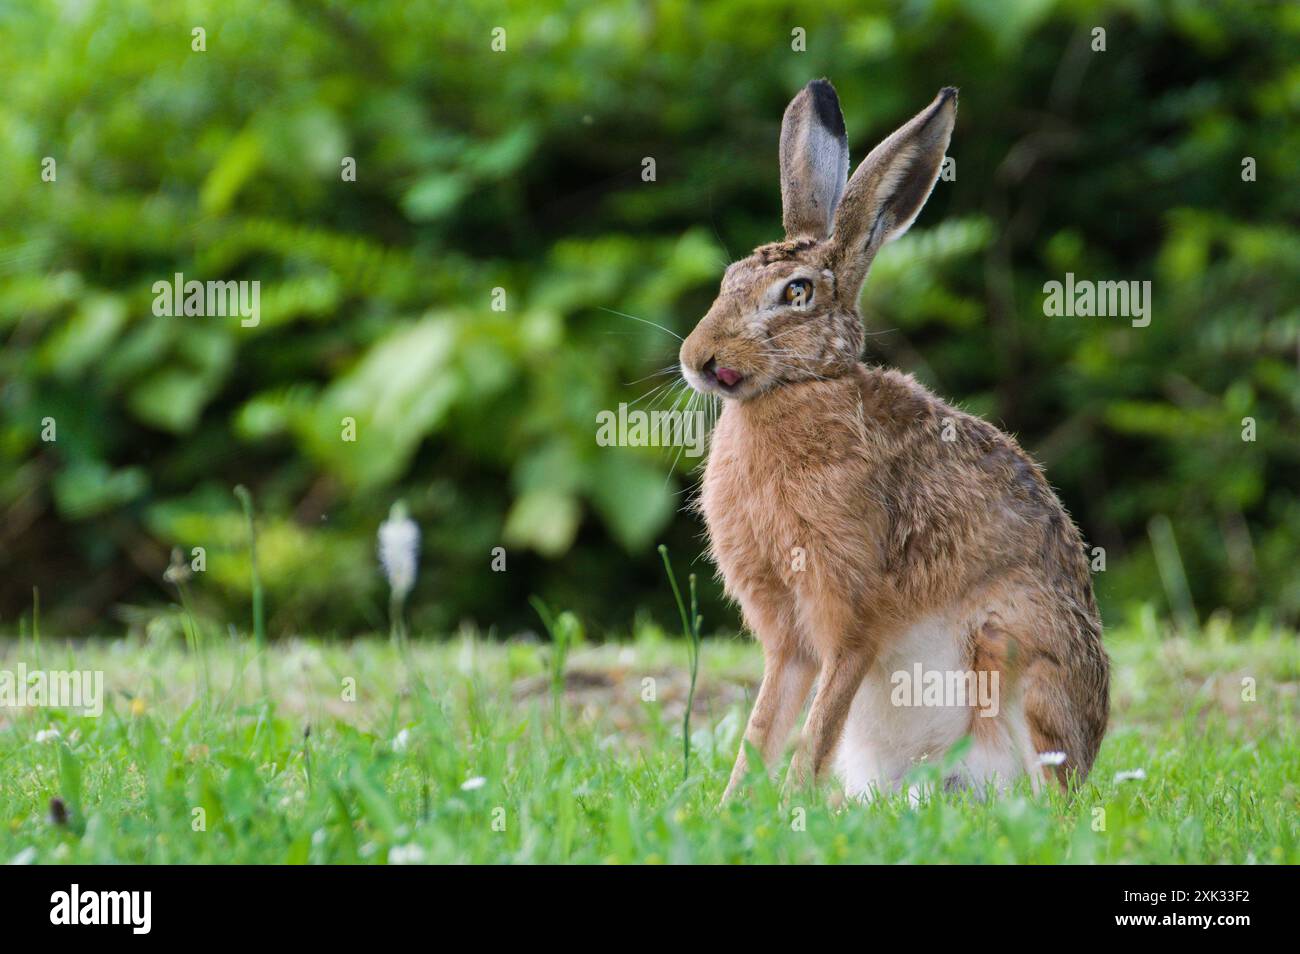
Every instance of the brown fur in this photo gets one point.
(849, 463)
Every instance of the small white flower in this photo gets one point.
(1131, 775)
(472, 784)
(406, 855)
(1051, 758)
(399, 550)
(402, 740)
(48, 735)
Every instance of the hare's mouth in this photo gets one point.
(726, 380)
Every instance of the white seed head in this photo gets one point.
(399, 549)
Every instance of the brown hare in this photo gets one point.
(870, 532)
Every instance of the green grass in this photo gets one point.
(583, 769)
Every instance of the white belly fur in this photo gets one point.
(882, 741)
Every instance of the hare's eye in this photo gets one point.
(798, 293)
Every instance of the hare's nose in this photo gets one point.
(726, 376)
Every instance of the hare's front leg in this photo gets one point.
(787, 676)
(841, 674)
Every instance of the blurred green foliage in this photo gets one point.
(521, 170)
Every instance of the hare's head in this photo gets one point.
(789, 312)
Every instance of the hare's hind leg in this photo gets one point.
(1066, 707)
(1053, 677)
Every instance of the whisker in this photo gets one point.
(786, 332)
(812, 374)
(644, 321)
(677, 396)
(800, 327)
(678, 456)
(671, 369)
(655, 390)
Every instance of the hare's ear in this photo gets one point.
(814, 161)
(889, 188)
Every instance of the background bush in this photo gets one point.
(522, 170)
